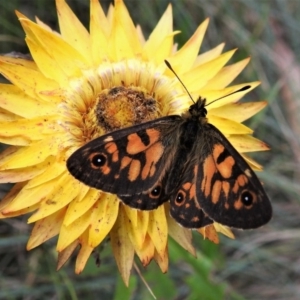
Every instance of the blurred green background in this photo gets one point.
(258, 264)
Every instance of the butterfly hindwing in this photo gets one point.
(127, 161)
(229, 191)
(185, 208)
(147, 200)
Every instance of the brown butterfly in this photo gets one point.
(181, 159)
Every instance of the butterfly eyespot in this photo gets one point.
(180, 198)
(156, 192)
(247, 198)
(98, 160)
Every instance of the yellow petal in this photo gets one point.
(158, 229)
(68, 234)
(209, 232)
(181, 235)
(21, 212)
(39, 22)
(98, 20)
(65, 254)
(124, 36)
(121, 13)
(99, 31)
(228, 95)
(16, 101)
(252, 163)
(131, 214)
(15, 140)
(84, 253)
(198, 77)
(5, 155)
(162, 30)
(110, 16)
(31, 129)
(146, 252)
(72, 29)
(140, 35)
(30, 197)
(189, 51)
(165, 49)
(103, 218)
(28, 64)
(54, 170)
(143, 222)
(209, 55)
(10, 196)
(8, 199)
(34, 154)
(224, 230)
(162, 259)
(68, 58)
(24, 174)
(45, 229)
(117, 39)
(238, 112)
(228, 126)
(136, 235)
(6, 115)
(227, 75)
(64, 192)
(247, 143)
(122, 247)
(47, 65)
(32, 83)
(78, 206)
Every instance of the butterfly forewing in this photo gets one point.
(128, 161)
(229, 191)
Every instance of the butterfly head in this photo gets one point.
(198, 109)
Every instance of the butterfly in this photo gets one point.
(179, 158)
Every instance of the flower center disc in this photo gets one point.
(121, 107)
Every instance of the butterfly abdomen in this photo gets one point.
(187, 135)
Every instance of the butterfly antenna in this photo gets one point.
(170, 67)
(244, 88)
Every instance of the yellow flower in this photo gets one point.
(63, 99)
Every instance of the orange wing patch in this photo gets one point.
(225, 166)
(217, 151)
(238, 204)
(226, 188)
(153, 154)
(242, 180)
(134, 170)
(209, 169)
(126, 160)
(136, 145)
(112, 149)
(149, 145)
(216, 191)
